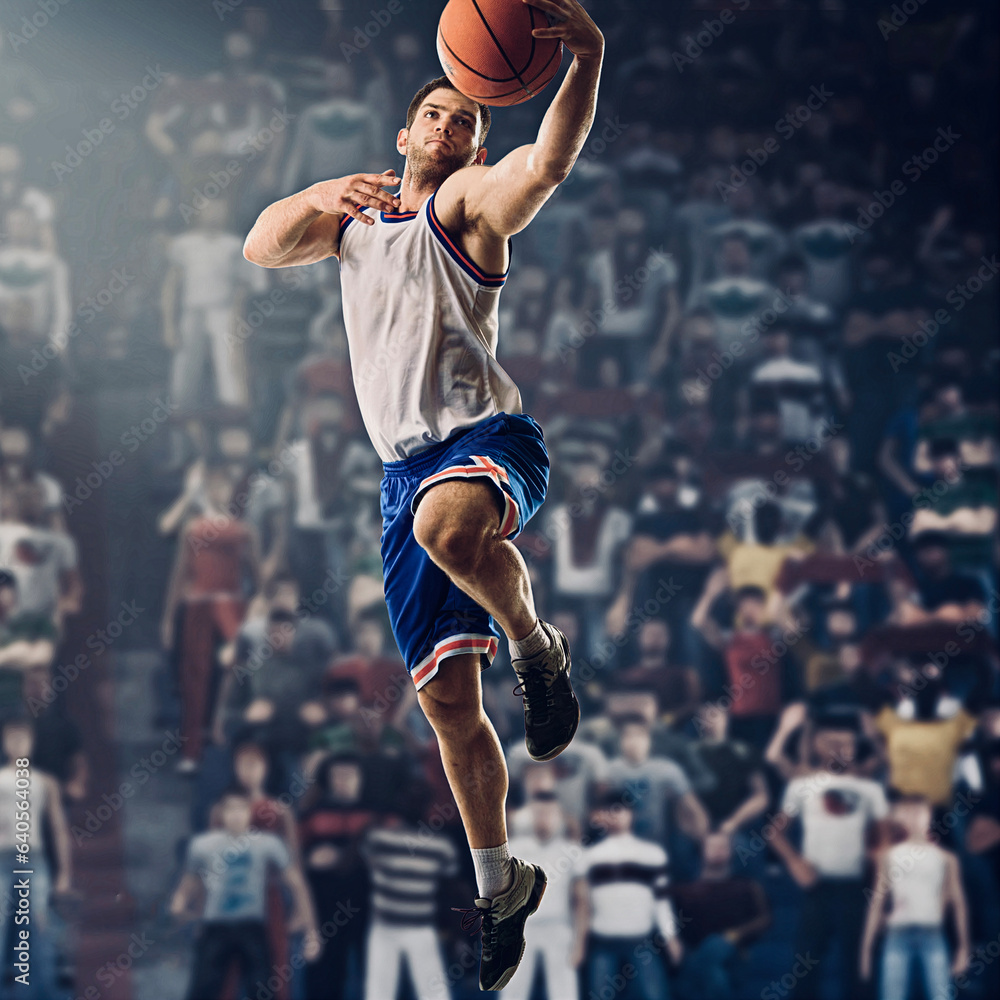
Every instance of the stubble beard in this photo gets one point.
(431, 171)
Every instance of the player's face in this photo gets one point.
(444, 136)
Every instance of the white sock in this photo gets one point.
(532, 644)
(493, 871)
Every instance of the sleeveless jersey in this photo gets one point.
(421, 321)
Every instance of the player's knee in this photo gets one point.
(450, 710)
(449, 543)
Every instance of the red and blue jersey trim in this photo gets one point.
(470, 268)
(453, 645)
(398, 216)
(484, 466)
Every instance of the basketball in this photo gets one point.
(488, 52)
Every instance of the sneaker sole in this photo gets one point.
(509, 974)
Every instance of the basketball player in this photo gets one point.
(421, 274)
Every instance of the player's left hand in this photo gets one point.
(576, 28)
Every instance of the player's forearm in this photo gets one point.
(567, 123)
(279, 229)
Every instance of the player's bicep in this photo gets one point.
(507, 196)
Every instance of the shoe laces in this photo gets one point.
(536, 687)
(476, 919)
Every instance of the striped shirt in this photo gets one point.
(406, 870)
(627, 877)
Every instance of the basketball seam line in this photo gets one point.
(500, 49)
(483, 76)
(516, 90)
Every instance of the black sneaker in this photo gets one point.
(551, 711)
(502, 924)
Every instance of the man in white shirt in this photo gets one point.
(551, 941)
(200, 297)
(624, 921)
(836, 809)
(42, 560)
(40, 277)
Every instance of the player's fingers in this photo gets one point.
(555, 32)
(354, 211)
(373, 201)
(378, 199)
(376, 190)
(388, 179)
(548, 6)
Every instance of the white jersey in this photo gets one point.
(421, 321)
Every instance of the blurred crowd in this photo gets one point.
(758, 326)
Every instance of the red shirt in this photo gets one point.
(754, 672)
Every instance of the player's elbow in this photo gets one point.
(253, 254)
(553, 174)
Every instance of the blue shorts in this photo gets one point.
(431, 618)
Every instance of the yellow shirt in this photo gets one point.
(754, 565)
(922, 753)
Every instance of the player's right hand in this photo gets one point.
(349, 195)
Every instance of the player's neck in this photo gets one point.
(413, 192)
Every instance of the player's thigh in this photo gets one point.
(462, 509)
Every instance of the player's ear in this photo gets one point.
(480, 156)
(401, 137)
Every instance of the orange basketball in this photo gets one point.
(488, 52)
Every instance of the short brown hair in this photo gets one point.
(445, 83)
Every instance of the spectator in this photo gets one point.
(18, 467)
(735, 299)
(550, 945)
(941, 594)
(230, 866)
(36, 276)
(277, 676)
(651, 784)
(635, 288)
(408, 866)
(923, 732)
(333, 137)
(722, 915)
(677, 687)
(333, 831)
(671, 548)
(205, 604)
(836, 809)
(739, 792)
(964, 508)
(921, 882)
(41, 560)
(799, 388)
(201, 295)
(268, 815)
(15, 193)
(754, 661)
(622, 915)
(43, 806)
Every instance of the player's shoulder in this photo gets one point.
(449, 199)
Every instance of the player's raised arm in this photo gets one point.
(305, 227)
(505, 198)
